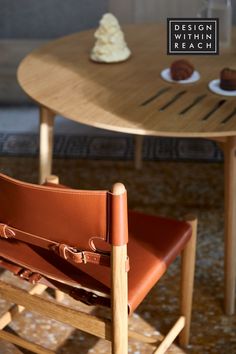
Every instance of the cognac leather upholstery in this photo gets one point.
(82, 219)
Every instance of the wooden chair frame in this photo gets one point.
(115, 330)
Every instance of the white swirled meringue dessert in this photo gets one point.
(110, 46)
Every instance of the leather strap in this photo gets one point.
(10, 232)
(6, 232)
(89, 298)
(66, 252)
(20, 271)
(75, 256)
(79, 294)
(30, 276)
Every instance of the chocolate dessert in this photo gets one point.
(181, 70)
(228, 79)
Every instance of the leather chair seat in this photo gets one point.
(153, 244)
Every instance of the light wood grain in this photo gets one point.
(61, 77)
(15, 310)
(119, 289)
(170, 337)
(84, 322)
(35, 348)
(187, 281)
(119, 300)
(8, 316)
(52, 179)
(153, 341)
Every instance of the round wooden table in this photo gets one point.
(131, 97)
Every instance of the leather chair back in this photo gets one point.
(66, 216)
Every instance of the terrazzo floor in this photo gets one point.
(172, 189)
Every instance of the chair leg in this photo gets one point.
(187, 281)
(119, 300)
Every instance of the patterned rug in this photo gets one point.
(164, 188)
(120, 147)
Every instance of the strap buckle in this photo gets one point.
(72, 254)
(83, 257)
(89, 298)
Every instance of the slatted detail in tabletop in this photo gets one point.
(186, 103)
(229, 121)
(188, 111)
(173, 110)
(223, 114)
(208, 115)
(163, 114)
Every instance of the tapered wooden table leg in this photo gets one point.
(230, 224)
(45, 143)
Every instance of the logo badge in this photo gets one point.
(193, 36)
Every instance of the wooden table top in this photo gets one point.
(120, 97)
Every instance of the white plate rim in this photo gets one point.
(215, 88)
(165, 75)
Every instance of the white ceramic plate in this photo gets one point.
(166, 75)
(214, 86)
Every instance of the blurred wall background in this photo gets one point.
(27, 24)
(157, 10)
(48, 18)
(153, 10)
(54, 18)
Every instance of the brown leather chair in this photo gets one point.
(76, 241)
